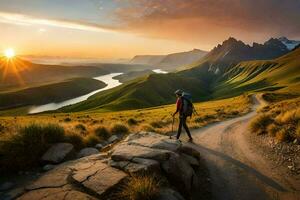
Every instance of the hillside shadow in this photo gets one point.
(268, 181)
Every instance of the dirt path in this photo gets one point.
(237, 169)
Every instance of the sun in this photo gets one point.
(9, 53)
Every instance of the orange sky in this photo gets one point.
(122, 29)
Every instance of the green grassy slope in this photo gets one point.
(48, 93)
(281, 74)
(152, 90)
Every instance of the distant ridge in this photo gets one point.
(173, 60)
(230, 69)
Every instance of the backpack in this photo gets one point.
(188, 107)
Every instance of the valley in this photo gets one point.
(90, 105)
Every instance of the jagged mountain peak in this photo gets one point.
(290, 44)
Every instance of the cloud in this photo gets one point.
(26, 20)
(202, 20)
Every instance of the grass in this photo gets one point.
(98, 126)
(141, 187)
(24, 149)
(280, 120)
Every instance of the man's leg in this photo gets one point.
(186, 127)
(179, 127)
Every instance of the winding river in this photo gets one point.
(108, 79)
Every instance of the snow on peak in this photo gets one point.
(290, 44)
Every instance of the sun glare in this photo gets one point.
(9, 53)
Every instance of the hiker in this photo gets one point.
(183, 107)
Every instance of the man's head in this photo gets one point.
(178, 93)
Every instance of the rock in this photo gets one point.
(56, 194)
(118, 164)
(99, 146)
(169, 194)
(48, 167)
(57, 177)
(112, 139)
(6, 186)
(180, 172)
(104, 180)
(191, 160)
(295, 141)
(157, 141)
(87, 152)
(58, 152)
(151, 165)
(125, 152)
(12, 194)
(190, 149)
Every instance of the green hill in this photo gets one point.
(281, 74)
(48, 93)
(152, 90)
(204, 81)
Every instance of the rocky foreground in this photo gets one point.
(101, 176)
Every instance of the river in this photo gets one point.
(108, 79)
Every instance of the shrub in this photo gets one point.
(132, 122)
(297, 133)
(80, 127)
(1, 128)
(24, 149)
(75, 139)
(289, 117)
(119, 129)
(272, 129)
(102, 133)
(91, 140)
(259, 123)
(147, 128)
(156, 124)
(68, 119)
(141, 187)
(282, 135)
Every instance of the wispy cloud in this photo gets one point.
(211, 21)
(27, 20)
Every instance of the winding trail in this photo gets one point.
(237, 170)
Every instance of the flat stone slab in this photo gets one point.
(104, 180)
(128, 152)
(55, 194)
(156, 141)
(54, 178)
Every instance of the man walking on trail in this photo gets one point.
(181, 104)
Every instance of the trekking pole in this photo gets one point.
(173, 118)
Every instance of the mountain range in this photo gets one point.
(230, 69)
(169, 61)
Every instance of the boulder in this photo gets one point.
(99, 146)
(156, 141)
(112, 139)
(58, 152)
(190, 159)
(48, 167)
(180, 173)
(87, 152)
(128, 152)
(6, 186)
(169, 194)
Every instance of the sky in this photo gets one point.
(111, 29)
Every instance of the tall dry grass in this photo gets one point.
(280, 120)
